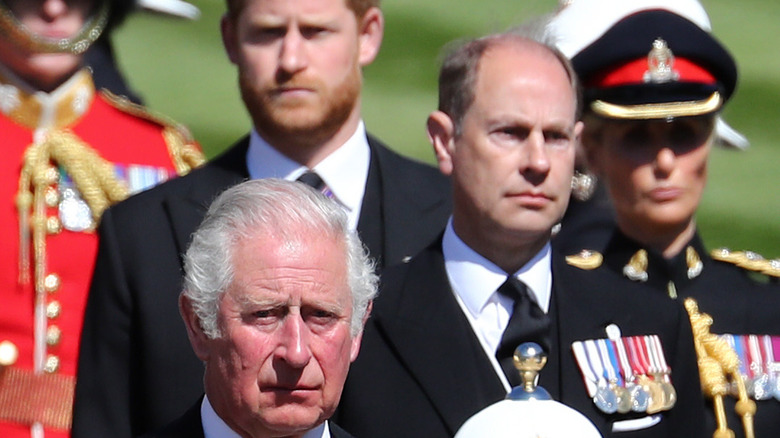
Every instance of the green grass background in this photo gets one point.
(180, 69)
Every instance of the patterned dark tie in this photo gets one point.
(528, 323)
(311, 179)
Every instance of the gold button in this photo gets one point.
(51, 283)
(53, 309)
(8, 353)
(52, 364)
(53, 335)
(52, 196)
(52, 175)
(53, 225)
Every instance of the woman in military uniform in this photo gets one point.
(69, 152)
(654, 83)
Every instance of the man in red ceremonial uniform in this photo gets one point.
(69, 152)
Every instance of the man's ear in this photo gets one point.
(371, 29)
(357, 339)
(229, 38)
(441, 134)
(198, 339)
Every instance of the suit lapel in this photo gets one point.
(434, 340)
(185, 212)
(371, 221)
(189, 425)
(407, 199)
(337, 432)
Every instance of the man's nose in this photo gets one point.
(536, 158)
(292, 55)
(293, 346)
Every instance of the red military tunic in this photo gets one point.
(42, 315)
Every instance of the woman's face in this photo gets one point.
(655, 170)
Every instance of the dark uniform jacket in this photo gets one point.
(421, 371)
(737, 303)
(138, 369)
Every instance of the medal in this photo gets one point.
(772, 367)
(605, 399)
(75, 214)
(739, 348)
(640, 393)
(655, 403)
(637, 394)
(588, 376)
(662, 370)
(761, 387)
(616, 379)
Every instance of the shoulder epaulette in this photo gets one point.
(748, 260)
(185, 152)
(586, 259)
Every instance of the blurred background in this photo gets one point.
(179, 68)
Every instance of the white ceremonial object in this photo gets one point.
(178, 8)
(528, 410)
(528, 419)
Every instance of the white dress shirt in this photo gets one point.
(344, 171)
(215, 427)
(475, 280)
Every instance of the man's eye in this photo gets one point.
(267, 34)
(312, 32)
(512, 133)
(320, 317)
(266, 316)
(556, 137)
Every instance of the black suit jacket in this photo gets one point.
(136, 368)
(190, 425)
(421, 371)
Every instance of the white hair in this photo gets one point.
(273, 206)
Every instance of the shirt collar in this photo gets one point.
(344, 171)
(215, 427)
(475, 278)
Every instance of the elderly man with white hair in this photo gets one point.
(276, 292)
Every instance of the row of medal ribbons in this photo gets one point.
(757, 364)
(74, 212)
(626, 374)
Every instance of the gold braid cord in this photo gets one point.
(92, 175)
(718, 361)
(181, 146)
(184, 154)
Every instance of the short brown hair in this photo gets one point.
(459, 71)
(359, 7)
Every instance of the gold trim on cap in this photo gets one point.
(658, 110)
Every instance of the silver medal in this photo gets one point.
(74, 212)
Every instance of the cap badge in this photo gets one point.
(660, 64)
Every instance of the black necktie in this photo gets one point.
(528, 323)
(311, 179)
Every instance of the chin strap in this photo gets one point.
(77, 44)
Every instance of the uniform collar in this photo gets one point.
(36, 109)
(632, 260)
